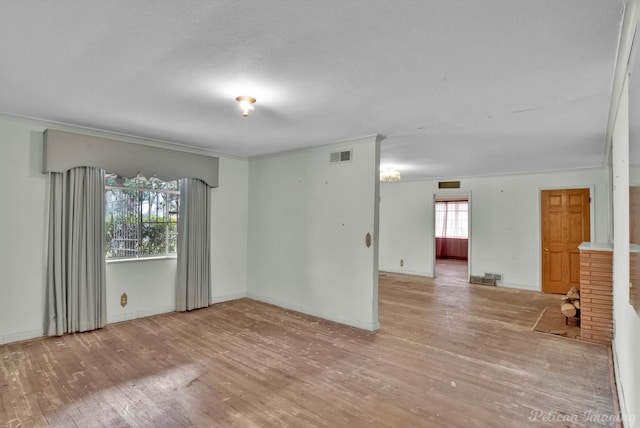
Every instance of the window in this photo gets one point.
(452, 219)
(141, 217)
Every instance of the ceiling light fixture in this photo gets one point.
(389, 175)
(245, 104)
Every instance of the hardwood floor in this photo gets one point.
(448, 354)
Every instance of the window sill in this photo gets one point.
(141, 259)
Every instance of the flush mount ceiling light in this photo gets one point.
(389, 175)
(246, 104)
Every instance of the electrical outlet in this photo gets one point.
(123, 300)
(401, 263)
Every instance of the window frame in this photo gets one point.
(140, 189)
(446, 224)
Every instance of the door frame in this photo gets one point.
(433, 227)
(592, 219)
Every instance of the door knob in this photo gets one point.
(546, 249)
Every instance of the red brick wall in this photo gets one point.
(596, 296)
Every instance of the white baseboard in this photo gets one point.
(128, 316)
(405, 271)
(22, 335)
(519, 286)
(424, 274)
(623, 404)
(227, 297)
(369, 326)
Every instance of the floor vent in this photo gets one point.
(481, 280)
(338, 157)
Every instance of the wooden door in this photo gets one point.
(565, 225)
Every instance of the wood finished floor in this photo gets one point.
(448, 354)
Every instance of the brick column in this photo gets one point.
(596, 296)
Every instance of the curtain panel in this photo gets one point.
(452, 248)
(76, 280)
(452, 230)
(452, 219)
(194, 274)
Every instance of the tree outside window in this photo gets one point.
(141, 217)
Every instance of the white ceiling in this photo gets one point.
(458, 88)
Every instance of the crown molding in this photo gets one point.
(351, 141)
(621, 69)
(125, 138)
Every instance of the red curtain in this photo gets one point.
(452, 233)
(452, 248)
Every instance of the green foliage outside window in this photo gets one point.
(141, 217)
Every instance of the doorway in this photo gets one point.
(452, 226)
(566, 223)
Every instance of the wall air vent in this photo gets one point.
(496, 276)
(448, 185)
(339, 157)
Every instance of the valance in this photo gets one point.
(66, 150)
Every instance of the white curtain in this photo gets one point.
(452, 219)
(194, 275)
(76, 281)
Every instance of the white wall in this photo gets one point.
(307, 225)
(406, 218)
(229, 219)
(626, 319)
(22, 217)
(505, 222)
(149, 284)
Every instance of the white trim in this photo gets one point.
(20, 336)
(144, 313)
(434, 260)
(227, 298)
(470, 232)
(620, 391)
(369, 326)
(503, 174)
(450, 192)
(407, 272)
(171, 256)
(128, 138)
(621, 68)
(351, 141)
(512, 286)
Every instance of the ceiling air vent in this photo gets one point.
(448, 185)
(339, 157)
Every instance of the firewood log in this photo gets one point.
(568, 310)
(573, 294)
